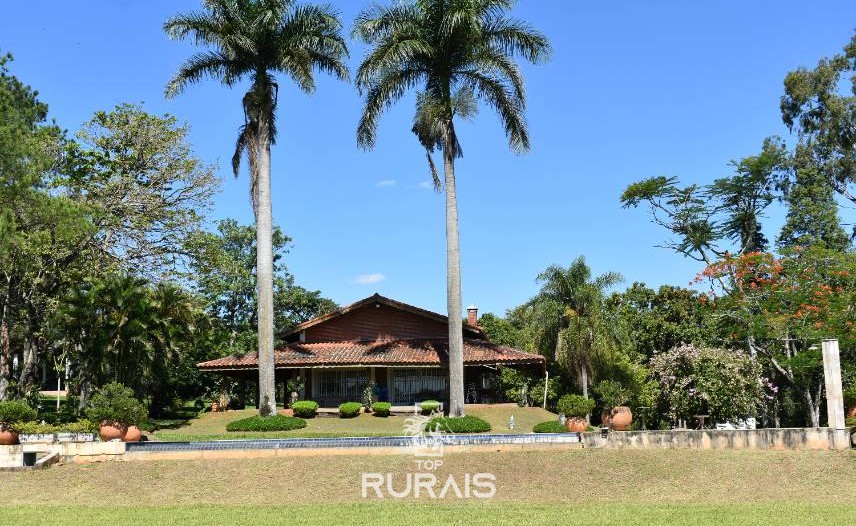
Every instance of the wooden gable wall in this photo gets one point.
(376, 321)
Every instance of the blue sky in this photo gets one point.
(634, 89)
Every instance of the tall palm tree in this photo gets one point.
(454, 52)
(570, 305)
(255, 40)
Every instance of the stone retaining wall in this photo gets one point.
(774, 439)
(76, 452)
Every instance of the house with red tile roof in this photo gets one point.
(402, 349)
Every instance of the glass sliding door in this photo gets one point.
(409, 386)
(335, 386)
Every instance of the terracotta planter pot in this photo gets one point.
(110, 432)
(8, 438)
(288, 412)
(576, 424)
(605, 418)
(133, 434)
(621, 418)
(851, 412)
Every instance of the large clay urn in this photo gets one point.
(576, 424)
(851, 413)
(621, 418)
(8, 437)
(133, 434)
(111, 431)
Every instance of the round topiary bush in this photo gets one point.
(381, 408)
(305, 408)
(13, 413)
(429, 406)
(575, 406)
(115, 404)
(267, 423)
(464, 424)
(350, 409)
(550, 426)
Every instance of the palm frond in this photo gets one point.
(508, 107)
(211, 64)
(383, 92)
(516, 37)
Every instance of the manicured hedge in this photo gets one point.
(464, 424)
(267, 423)
(305, 408)
(429, 406)
(381, 408)
(349, 409)
(550, 426)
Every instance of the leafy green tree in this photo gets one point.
(710, 221)
(574, 326)
(656, 321)
(821, 107)
(143, 187)
(500, 330)
(258, 39)
(222, 273)
(455, 52)
(779, 308)
(812, 218)
(40, 229)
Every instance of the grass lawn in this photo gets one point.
(212, 426)
(583, 486)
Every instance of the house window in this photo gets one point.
(335, 386)
(415, 385)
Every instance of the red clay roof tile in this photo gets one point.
(378, 352)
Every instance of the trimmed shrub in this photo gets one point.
(115, 404)
(429, 406)
(464, 424)
(349, 409)
(13, 413)
(267, 423)
(381, 408)
(575, 406)
(305, 408)
(550, 426)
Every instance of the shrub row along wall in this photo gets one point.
(774, 439)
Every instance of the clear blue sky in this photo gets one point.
(634, 89)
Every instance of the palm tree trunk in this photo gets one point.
(264, 274)
(453, 290)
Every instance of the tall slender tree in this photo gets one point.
(255, 40)
(455, 52)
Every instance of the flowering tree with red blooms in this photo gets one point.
(780, 307)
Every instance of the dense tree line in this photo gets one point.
(745, 338)
(110, 272)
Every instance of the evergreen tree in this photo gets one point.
(812, 218)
